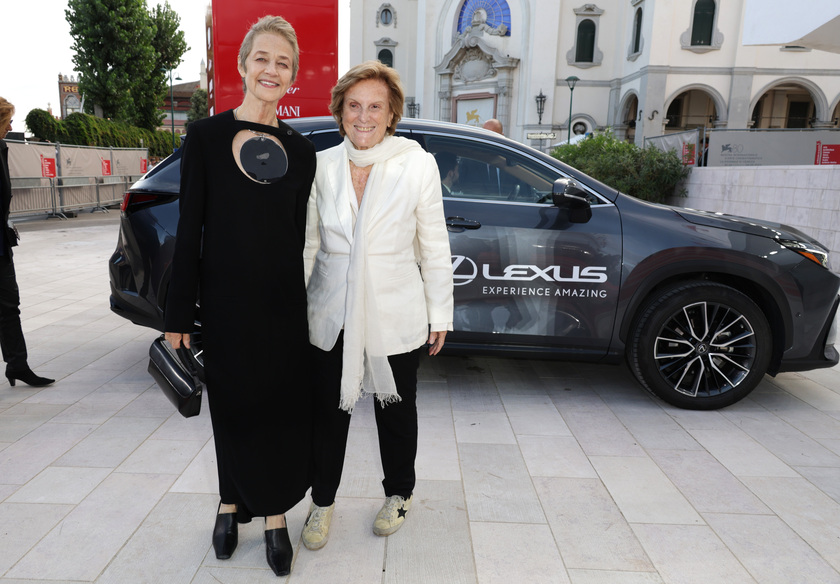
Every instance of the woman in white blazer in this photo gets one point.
(379, 286)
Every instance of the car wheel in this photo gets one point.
(700, 346)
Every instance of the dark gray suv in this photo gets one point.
(549, 262)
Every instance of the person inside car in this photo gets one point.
(245, 180)
(448, 166)
(375, 216)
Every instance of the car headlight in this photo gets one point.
(806, 250)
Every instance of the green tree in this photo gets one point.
(645, 173)
(198, 106)
(170, 45)
(123, 54)
(112, 40)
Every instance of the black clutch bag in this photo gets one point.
(176, 374)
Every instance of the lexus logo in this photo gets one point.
(464, 270)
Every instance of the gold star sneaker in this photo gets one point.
(392, 515)
(316, 530)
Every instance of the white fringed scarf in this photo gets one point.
(365, 364)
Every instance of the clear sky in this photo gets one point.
(35, 47)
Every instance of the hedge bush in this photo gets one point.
(86, 130)
(645, 173)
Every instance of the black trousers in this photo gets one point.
(396, 424)
(11, 334)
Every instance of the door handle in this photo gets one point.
(459, 224)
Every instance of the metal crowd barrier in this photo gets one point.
(56, 197)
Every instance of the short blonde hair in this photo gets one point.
(363, 72)
(273, 25)
(7, 110)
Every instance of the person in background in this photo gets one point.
(245, 180)
(379, 284)
(448, 166)
(12, 342)
(493, 125)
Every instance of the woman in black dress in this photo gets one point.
(245, 181)
(11, 334)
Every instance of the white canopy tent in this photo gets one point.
(814, 24)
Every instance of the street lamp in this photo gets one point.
(172, 109)
(571, 81)
(540, 106)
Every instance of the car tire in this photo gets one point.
(700, 346)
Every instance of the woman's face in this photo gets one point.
(367, 113)
(268, 68)
(7, 127)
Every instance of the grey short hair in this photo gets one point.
(273, 25)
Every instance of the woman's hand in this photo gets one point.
(175, 339)
(436, 339)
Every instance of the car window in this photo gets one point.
(324, 140)
(412, 136)
(490, 171)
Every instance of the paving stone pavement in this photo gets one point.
(529, 471)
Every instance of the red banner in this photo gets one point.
(48, 167)
(316, 25)
(827, 153)
(688, 153)
(106, 167)
(144, 166)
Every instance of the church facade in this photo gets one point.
(641, 67)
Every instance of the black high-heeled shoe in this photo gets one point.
(278, 551)
(28, 377)
(225, 535)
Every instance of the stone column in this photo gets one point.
(445, 98)
(613, 113)
(739, 114)
(652, 104)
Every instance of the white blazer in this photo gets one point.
(406, 227)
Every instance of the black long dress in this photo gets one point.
(241, 243)
(11, 334)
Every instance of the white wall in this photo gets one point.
(805, 197)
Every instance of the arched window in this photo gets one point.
(494, 12)
(72, 105)
(386, 16)
(637, 31)
(703, 23)
(386, 57)
(585, 50)
(385, 51)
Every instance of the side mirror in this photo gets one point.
(568, 194)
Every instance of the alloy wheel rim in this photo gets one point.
(705, 349)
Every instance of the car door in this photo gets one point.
(525, 274)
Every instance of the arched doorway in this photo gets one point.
(690, 109)
(789, 105)
(629, 115)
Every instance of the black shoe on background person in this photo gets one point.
(27, 376)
